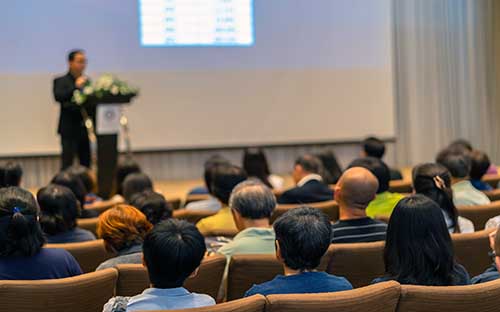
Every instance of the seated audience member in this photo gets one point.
(418, 248)
(374, 147)
(153, 205)
(136, 183)
(173, 251)
(356, 188)
(256, 166)
(461, 147)
(212, 203)
(224, 179)
(123, 229)
(125, 167)
(13, 174)
(464, 193)
(310, 186)
(59, 211)
(491, 273)
(88, 180)
(302, 239)
(480, 163)
(75, 184)
(384, 201)
(331, 168)
(252, 204)
(210, 163)
(21, 239)
(434, 182)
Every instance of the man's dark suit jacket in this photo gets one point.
(312, 192)
(70, 119)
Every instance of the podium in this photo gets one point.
(105, 113)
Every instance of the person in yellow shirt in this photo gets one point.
(385, 201)
(224, 178)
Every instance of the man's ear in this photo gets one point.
(144, 262)
(195, 272)
(278, 251)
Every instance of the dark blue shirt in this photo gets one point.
(461, 277)
(49, 263)
(303, 283)
(481, 186)
(489, 275)
(76, 235)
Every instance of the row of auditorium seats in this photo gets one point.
(89, 292)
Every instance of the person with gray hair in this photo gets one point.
(252, 204)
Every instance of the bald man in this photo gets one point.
(356, 188)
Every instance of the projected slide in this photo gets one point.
(196, 23)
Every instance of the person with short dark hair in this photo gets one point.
(224, 178)
(88, 180)
(209, 164)
(75, 184)
(302, 239)
(355, 190)
(74, 136)
(374, 147)
(154, 206)
(59, 212)
(464, 193)
(123, 229)
(384, 201)
(480, 164)
(12, 174)
(21, 240)
(434, 181)
(252, 204)
(173, 251)
(125, 167)
(310, 186)
(418, 248)
(256, 166)
(492, 273)
(136, 183)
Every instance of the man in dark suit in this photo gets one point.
(74, 137)
(310, 187)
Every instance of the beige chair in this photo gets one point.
(400, 186)
(247, 270)
(192, 216)
(251, 304)
(382, 297)
(84, 293)
(492, 179)
(479, 215)
(360, 263)
(88, 224)
(100, 207)
(493, 195)
(330, 208)
(195, 198)
(481, 297)
(88, 254)
(133, 278)
(471, 251)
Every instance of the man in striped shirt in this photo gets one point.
(356, 188)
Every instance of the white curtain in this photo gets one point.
(444, 77)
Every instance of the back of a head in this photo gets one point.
(418, 248)
(378, 168)
(458, 165)
(85, 176)
(136, 183)
(209, 167)
(357, 187)
(122, 227)
(480, 163)
(13, 174)
(253, 200)
(461, 144)
(255, 164)
(125, 167)
(373, 147)
(20, 232)
(153, 205)
(224, 178)
(332, 169)
(304, 236)
(59, 209)
(73, 182)
(173, 250)
(310, 164)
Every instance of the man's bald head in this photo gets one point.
(356, 188)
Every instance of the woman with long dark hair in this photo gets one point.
(418, 248)
(434, 181)
(256, 166)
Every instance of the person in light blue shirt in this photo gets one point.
(172, 251)
(302, 238)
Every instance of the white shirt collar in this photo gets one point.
(309, 177)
